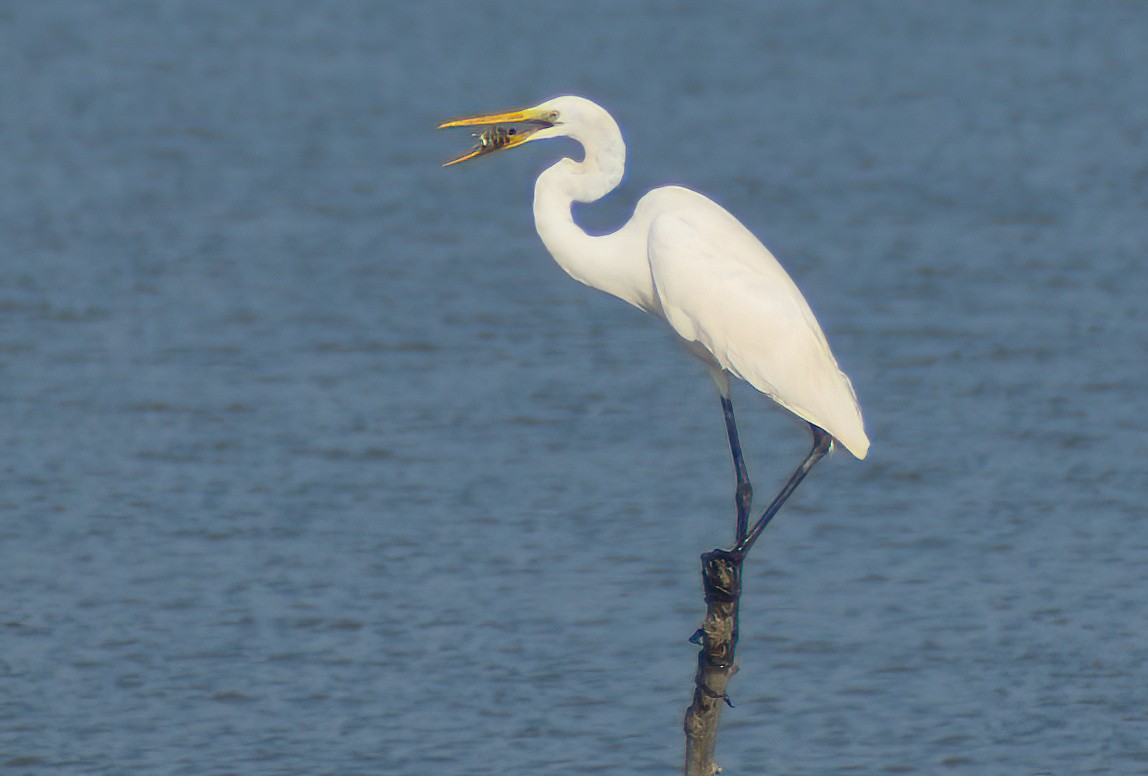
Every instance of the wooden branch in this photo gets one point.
(717, 661)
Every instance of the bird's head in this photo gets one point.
(560, 117)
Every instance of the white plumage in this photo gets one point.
(686, 259)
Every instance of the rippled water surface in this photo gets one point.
(314, 462)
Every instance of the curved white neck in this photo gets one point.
(615, 263)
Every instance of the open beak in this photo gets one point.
(497, 137)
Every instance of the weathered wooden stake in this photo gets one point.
(717, 661)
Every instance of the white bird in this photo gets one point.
(686, 259)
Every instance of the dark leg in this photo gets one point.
(743, 497)
(821, 443)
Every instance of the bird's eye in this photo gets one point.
(553, 115)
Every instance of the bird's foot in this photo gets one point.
(721, 573)
(732, 557)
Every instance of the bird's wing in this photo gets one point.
(724, 292)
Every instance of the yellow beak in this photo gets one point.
(497, 137)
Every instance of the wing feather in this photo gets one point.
(723, 291)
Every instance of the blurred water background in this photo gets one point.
(314, 462)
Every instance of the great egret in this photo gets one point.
(686, 259)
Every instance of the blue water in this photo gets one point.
(314, 462)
